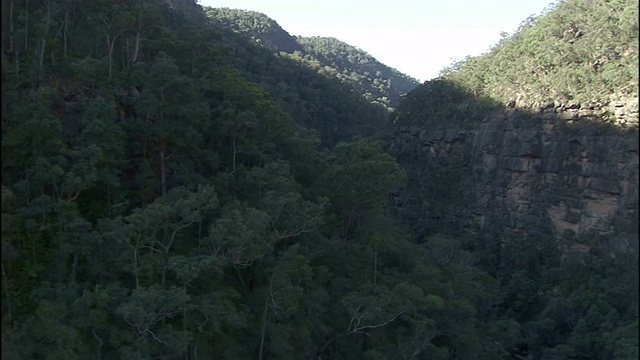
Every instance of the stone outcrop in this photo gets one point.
(555, 171)
(617, 110)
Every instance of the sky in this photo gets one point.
(416, 37)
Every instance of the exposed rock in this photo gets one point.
(521, 174)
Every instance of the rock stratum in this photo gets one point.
(554, 171)
(537, 137)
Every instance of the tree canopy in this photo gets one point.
(171, 190)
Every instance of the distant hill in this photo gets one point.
(264, 30)
(329, 56)
(325, 104)
(353, 65)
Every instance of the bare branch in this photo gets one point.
(154, 336)
(358, 329)
(201, 326)
(95, 336)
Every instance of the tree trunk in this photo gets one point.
(125, 55)
(375, 264)
(109, 202)
(131, 60)
(12, 46)
(26, 25)
(347, 226)
(263, 329)
(137, 43)
(65, 30)
(5, 289)
(44, 41)
(17, 63)
(163, 179)
(100, 342)
(111, 42)
(233, 145)
(234, 155)
(135, 263)
(136, 48)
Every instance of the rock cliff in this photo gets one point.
(549, 171)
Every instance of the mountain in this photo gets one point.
(370, 77)
(329, 56)
(583, 53)
(173, 190)
(322, 103)
(530, 154)
(551, 114)
(257, 26)
(163, 177)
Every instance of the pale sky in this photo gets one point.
(417, 37)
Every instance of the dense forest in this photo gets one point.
(329, 56)
(173, 190)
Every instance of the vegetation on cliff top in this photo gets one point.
(581, 51)
(577, 53)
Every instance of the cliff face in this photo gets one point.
(560, 156)
(522, 173)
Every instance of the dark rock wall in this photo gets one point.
(522, 174)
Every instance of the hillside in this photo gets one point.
(529, 155)
(356, 67)
(259, 27)
(173, 190)
(328, 56)
(163, 178)
(584, 54)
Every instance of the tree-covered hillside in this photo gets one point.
(507, 152)
(370, 77)
(257, 26)
(582, 52)
(322, 104)
(171, 190)
(583, 55)
(328, 56)
(160, 202)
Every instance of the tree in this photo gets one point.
(359, 177)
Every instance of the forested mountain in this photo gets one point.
(172, 190)
(258, 26)
(370, 77)
(319, 103)
(528, 155)
(583, 52)
(329, 56)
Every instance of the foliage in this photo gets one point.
(368, 76)
(581, 51)
(170, 190)
(552, 298)
(330, 57)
